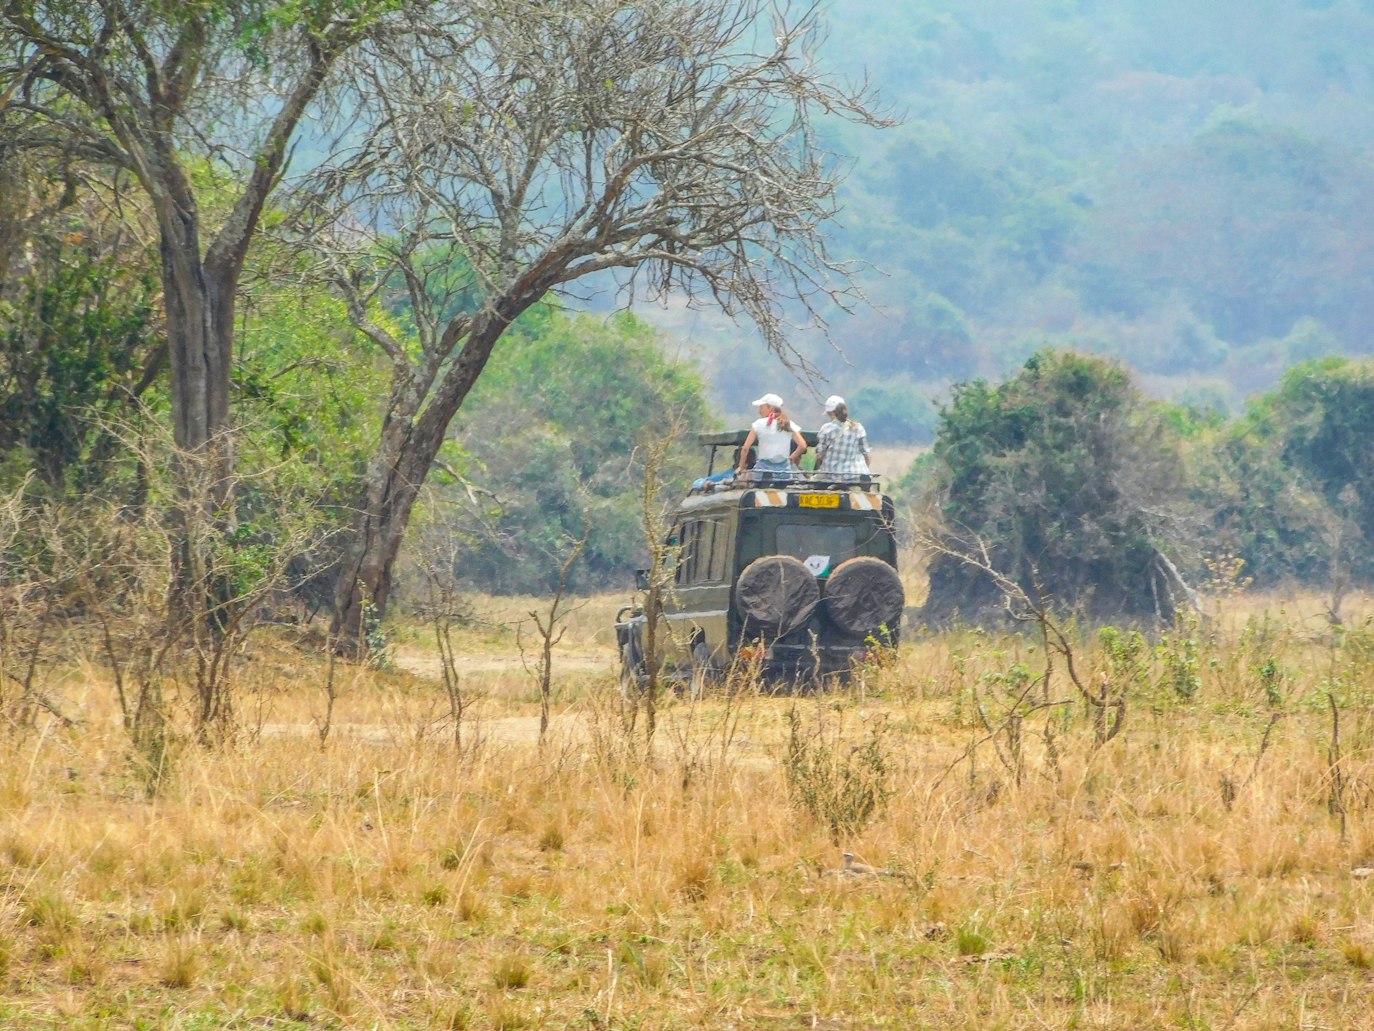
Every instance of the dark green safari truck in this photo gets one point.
(797, 574)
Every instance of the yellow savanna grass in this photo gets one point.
(1202, 869)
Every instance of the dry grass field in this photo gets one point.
(1205, 868)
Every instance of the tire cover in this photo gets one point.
(776, 594)
(864, 594)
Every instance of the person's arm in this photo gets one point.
(801, 447)
(744, 452)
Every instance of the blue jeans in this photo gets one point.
(774, 470)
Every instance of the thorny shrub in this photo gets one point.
(844, 785)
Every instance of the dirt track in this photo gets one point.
(425, 663)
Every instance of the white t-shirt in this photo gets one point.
(775, 445)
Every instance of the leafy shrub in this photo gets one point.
(843, 786)
(1064, 482)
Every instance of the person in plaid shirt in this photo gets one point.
(842, 447)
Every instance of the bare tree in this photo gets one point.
(552, 624)
(444, 609)
(507, 150)
(1107, 703)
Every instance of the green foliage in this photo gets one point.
(1326, 413)
(1068, 481)
(306, 392)
(1178, 651)
(549, 433)
(1271, 678)
(1125, 658)
(77, 328)
(1297, 496)
(1194, 416)
(306, 389)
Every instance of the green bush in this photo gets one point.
(1067, 483)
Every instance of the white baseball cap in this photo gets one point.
(768, 399)
(832, 402)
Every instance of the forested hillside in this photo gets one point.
(1071, 228)
(1183, 186)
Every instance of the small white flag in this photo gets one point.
(817, 564)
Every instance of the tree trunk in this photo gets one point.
(410, 442)
(394, 478)
(200, 313)
(200, 317)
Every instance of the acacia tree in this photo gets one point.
(537, 145)
(181, 95)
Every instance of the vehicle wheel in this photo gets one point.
(631, 683)
(863, 595)
(703, 671)
(775, 594)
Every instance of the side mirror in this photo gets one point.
(642, 579)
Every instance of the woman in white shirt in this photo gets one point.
(781, 444)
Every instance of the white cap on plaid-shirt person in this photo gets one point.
(842, 445)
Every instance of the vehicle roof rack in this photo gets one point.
(732, 439)
(736, 438)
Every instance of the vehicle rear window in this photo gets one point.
(812, 542)
(810, 538)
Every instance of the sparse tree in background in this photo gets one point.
(540, 145)
(552, 623)
(549, 465)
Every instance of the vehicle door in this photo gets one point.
(698, 605)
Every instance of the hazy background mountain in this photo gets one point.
(1185, 186)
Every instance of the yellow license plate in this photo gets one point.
(818, 500)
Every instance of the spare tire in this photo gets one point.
(775, 594)
(864, 594)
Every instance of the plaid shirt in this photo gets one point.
(843, 448)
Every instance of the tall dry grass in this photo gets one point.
(1203, 869)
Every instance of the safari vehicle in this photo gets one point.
(796, 574)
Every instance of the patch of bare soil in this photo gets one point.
(425, 663)
(510, 730)
(472, 667)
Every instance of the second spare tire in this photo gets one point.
(863, 595)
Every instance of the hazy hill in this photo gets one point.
(1187, 186)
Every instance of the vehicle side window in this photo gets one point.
(687, 561)
(675, 551)
(706, 567)
(719, 567)
(701, 551)
(687, 548)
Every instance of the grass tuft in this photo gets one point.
(511, 972)
(181, 963)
